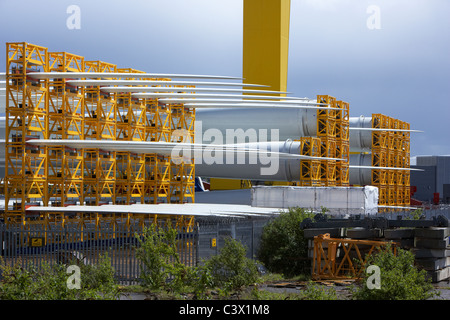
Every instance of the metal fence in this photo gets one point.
(213, 233)
(72, 244)
(37, 245)
(429, 213)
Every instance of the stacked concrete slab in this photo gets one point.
(432, 251)
(404, 237)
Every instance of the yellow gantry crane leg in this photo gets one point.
(266, 42)
(265, 53)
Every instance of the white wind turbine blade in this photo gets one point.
(186, 89)
(384, 168)
(163, 148)
(134, 75)
(161, 95)
(155, 82)
(383, 129)
(254, 105)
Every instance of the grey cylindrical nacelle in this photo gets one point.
(269, 168)
(360, 140)
(360, 176)
(276, 169)
(290, 123)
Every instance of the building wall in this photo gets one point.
(442, 173)
(433, 179)
(446, 193)
(425, 181)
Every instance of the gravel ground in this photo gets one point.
(294, 287)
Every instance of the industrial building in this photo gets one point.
(432, 184)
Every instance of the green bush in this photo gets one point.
(157, 253)
(50, 282)
(319, 292)
(18, 283)
(263, 294)
(283, 247)
(400, 279)
(200, 281)
(231, 269)
(100, 279)
(163, 270)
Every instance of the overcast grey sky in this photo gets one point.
(401, 69)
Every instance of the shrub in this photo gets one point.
(262, 294)
(283, 247)
(319, 292)
(163, 270)
(158, 255)
(50, 282)
(400, 279)
(231, 269)
(200, 280)
(17, 283)
(99, 278)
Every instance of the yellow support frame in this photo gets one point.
(333, 131)
(57, 175)
(391, 149)
(327, 264)
(107, 170)
(150, 194)
(27, 114)
(310, 169)
(66, 113)
(163, 175)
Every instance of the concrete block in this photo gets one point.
(439, 275)
(334, 232)
(432, 233)
(392, 234)
(362, 233)
(431, 253)
(432, 264)
(431, 243)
